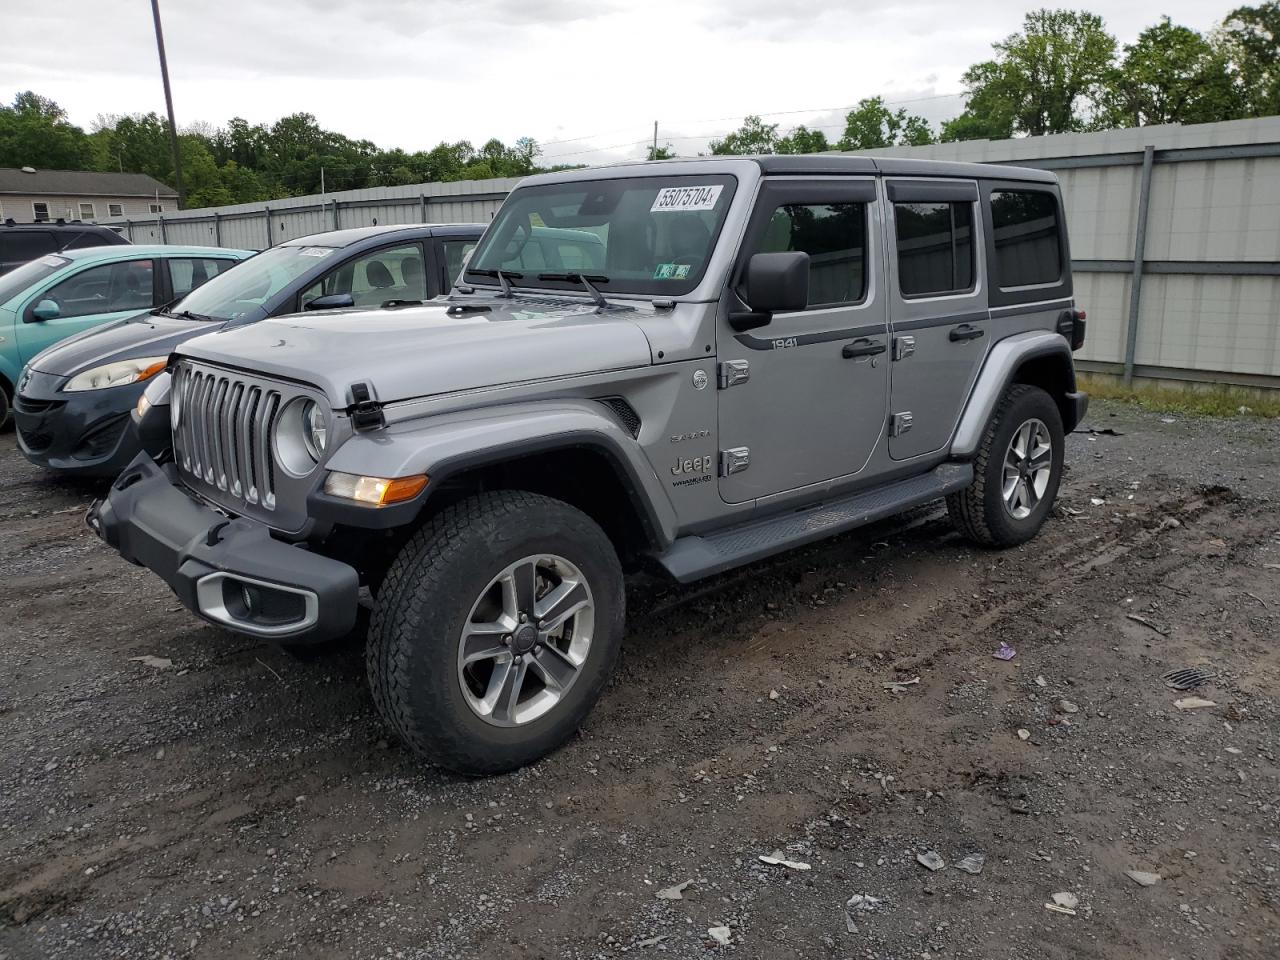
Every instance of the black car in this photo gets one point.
(89, 432)
(23, 242)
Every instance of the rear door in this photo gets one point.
(802, 400)
(938, 308)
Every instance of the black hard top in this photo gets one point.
(409, 231)
(831, 165)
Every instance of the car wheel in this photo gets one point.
(6, 404)
(1016, 472)
(496, 630)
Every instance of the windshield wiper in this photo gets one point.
(586, 280)
(503, 277)
(188, 315)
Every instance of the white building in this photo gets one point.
(28, 195)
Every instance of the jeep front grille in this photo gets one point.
(223, 434)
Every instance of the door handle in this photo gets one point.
(863, 348)
(965, 332)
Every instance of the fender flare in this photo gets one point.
(1003, 361)
(448, 444)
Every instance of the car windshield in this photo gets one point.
(16, 281)
(241, 292)
(650, 236)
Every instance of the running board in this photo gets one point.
(691, 558)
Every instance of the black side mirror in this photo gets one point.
(333, 301)
(775, 283)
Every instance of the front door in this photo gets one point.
(88, 298)
(938, 307)
(802, 400)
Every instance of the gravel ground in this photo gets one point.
(840, 705)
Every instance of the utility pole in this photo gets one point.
(322, 184)
(654, 154)
(168, 102)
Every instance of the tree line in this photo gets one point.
(1061, 73)
(1064, 73)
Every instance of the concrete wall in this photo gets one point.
(19, 207)
(1208, 273)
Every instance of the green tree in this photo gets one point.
(1171, 74)
(1047, 79)
(871, 125)
(803, 140)
(753, 137)
(1250, 38)
(664, 152)
(34, 132)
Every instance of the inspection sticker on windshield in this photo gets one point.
(315, 251)
(679, 199)
(671, 271)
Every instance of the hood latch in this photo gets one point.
(365, 412)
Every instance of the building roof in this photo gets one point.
(81, 183)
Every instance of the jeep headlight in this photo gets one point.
(301, 436)
(116, 374)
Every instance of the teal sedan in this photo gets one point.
(62, 294)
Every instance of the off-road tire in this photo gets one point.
(978, 511)
(425, 600)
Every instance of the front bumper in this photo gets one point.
(230, 571)
(88, 433)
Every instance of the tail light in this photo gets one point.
(1071, 325)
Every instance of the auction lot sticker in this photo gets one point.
(672, 199)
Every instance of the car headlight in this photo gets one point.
(116, 374)
(156, 394)
(301, 436)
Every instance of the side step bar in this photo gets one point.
(691, 558)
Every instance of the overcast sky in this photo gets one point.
(586, 79)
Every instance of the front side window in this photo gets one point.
(1026, 233)
(21, 279)
(188, 273)
(40, 211)
(455, 255)
(935, 248)
(394, 273)
(834, 235)
(108, 288)
(650, 236)
(87, 211)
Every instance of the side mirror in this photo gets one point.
(333, 301)
(45, 310)
(775, 283)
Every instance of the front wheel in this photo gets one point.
(495, 631)
(1016, 472)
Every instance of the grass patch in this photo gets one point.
(1192, 402)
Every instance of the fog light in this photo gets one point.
(374, 491)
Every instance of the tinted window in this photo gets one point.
(19, 246)
(935, 248)
(187, 274)
(108, 288)
(455, 255)
(376, 277)
(645, 235)
(1026, 235)
(835, 237)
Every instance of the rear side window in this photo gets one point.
(835, 237)
(1026, 234)
(187, 274)
(935, 248)
(21, 245)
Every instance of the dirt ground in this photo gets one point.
(240, 803)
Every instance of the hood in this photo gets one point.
(147, 335)
(411, 352)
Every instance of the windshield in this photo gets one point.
(644, 235)
(242, 291)
(16, 281)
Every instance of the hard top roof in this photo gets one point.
(353, 235)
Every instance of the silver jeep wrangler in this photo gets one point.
(687, 364)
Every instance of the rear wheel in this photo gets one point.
(495, 631)
(1016, 472)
